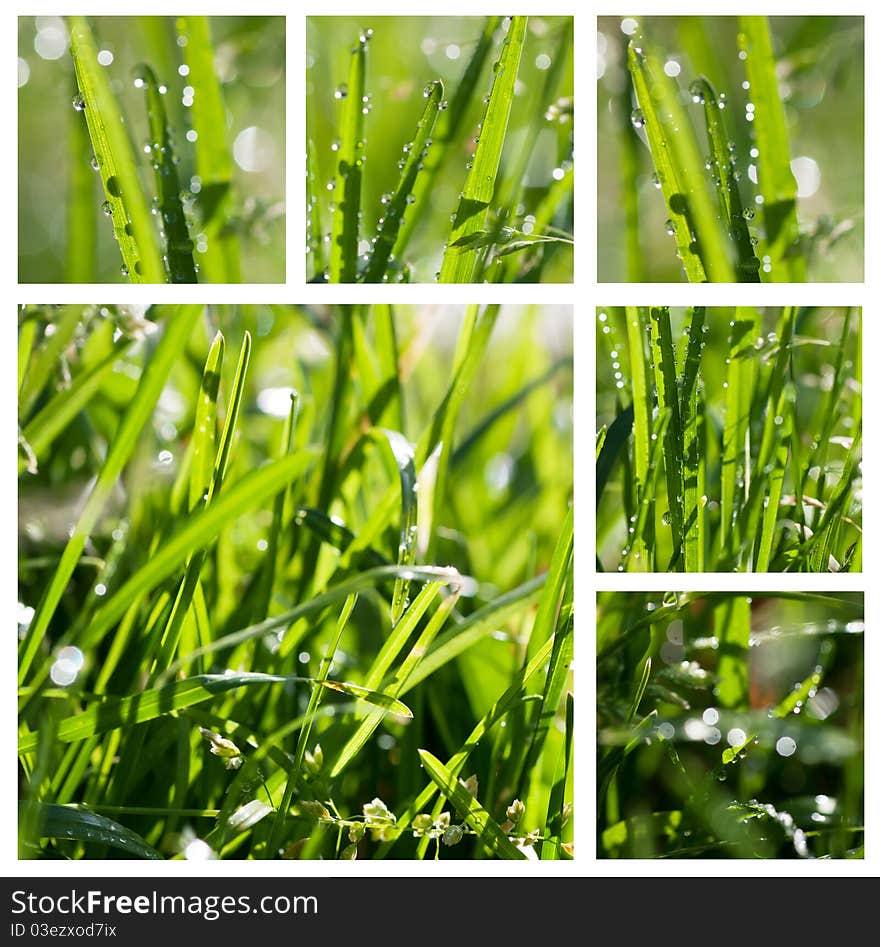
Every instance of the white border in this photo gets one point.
(585, 294)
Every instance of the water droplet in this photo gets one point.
(637, 117)
(79, 102)
(107, 208)
(341, 91)
(124, 269)
(669, 226)
(748, 213)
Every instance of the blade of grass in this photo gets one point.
(220, 261)
(724, 171)
(132, 221)
(81, 231)
(487, 829)
(343, 267)
(45, 360)
(556, 818)
(314, 228)
(459, 261)
(732, 622)
(692, 449)
(395, 205)
(178, 245)
(703, 245)
(178, 326)
(663, 356)
(775, 179)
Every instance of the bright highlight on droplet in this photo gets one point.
(105, 57)
(736, 736)
(253, 149)
(807, 174)
(628, 25)
(192, 135)
(453, 51)
(24, 72)
(710, 716)
(785, 746)
(183, 70)
(542, 62)
(672, 68)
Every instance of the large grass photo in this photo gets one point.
(295, 582)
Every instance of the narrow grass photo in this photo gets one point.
(151, 149)
(729, 439)
(731, 149)
(468, 125)
(730, 725)
(295, 582)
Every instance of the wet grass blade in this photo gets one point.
(205, 425)
(178, 245)
(775, 178)
(414, 153)
(219, 261)
(343, 266)
(703, 245)
(45, 359)
(197, 532)
(663, 356)
(460, 260)
(81, 217)
(125, 201)
(556, 810)
(314, 228)
(178, 326)
(448, 128)
(725, 173)
(81, 825)
(487, 829)
(693, 450)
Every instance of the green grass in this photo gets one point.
(730, 725)
(295, 582)
(750, 156)
(731, 439)
(482, 191)
(182, 119)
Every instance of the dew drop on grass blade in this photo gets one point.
(82, 215)
(125, 202)
(692, 449)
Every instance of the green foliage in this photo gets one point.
(498, 164)
(754, 420)
(730, 725)
(319, 564)
(183, 121)
(741, 138)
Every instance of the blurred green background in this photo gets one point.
(249, 60)
(820, 67)
(404, 54)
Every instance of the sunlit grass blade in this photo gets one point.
(81, 217)
(556, 807)
(775, 178)
(220, 259)
(459, 261)
(395, 205)
(113, 152)
(178, 245)
(639, 553)
(487, 829)
(343, 266)
(703, 245)
(314, 227)
(693, 450)
(725, 173)
(43, 363)
(60, 410)
(178, 326)
(79, 824)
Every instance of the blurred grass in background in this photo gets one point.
(820, 76)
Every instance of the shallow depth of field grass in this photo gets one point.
(729, 439)
(731, 149)
(151, 149)
(730, 725)
(439, 148)
(295, 582)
